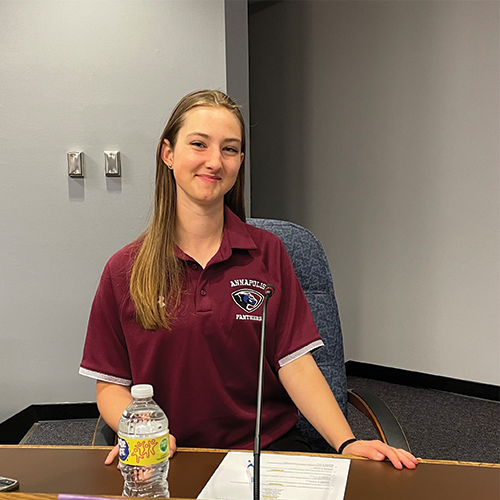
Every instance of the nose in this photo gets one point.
(214, 159)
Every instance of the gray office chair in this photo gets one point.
(312, 269)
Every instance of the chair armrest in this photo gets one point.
(104, 435)
(383, 420)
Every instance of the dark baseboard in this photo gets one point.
(15, 428)
(424, 380)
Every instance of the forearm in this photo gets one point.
(310, 392)
(112, 399)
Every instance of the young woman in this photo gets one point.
(179, 308)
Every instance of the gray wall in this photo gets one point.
(236, 17)
(93, 76)
(376, 125)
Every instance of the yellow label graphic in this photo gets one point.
(148, 451)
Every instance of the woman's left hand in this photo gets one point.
(376, 450)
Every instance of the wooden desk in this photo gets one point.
(80, 470)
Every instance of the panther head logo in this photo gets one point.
(248, 300)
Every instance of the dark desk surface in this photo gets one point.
(80, 470)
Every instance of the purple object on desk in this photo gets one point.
(79, 497)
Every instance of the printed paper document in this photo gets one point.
(284, 477)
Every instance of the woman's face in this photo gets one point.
(206, 157)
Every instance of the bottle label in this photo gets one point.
(146, 451)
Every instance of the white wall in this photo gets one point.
(90, 75)
(376, 125)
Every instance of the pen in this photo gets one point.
(250, 474)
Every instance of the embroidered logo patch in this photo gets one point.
(247, 299)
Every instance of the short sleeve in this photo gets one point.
(105, 354)
(297, 333)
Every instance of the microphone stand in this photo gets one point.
(256, 447)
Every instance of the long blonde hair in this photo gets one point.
(157, 275)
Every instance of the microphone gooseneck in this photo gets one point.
(268, 292)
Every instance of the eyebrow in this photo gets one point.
(206, 136)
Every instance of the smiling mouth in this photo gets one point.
(209, 178)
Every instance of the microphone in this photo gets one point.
(268, 292)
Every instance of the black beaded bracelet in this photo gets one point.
(346, 443)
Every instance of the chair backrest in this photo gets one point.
(312, 269)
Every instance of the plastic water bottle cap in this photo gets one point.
(142, 391)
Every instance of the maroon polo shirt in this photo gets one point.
(204, 371)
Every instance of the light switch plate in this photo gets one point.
(75, 163)
(112, 164)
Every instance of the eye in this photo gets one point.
(197, 144)
(231, 149)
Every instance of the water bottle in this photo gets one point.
(143, 442)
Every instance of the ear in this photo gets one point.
(242, 155)
(167, 153)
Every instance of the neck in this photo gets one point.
(198, 231)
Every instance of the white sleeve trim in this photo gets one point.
(297, 354)
(104, 377)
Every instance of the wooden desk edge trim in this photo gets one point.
(217, 450)
(458, 462)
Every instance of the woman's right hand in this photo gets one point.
(114, 452)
